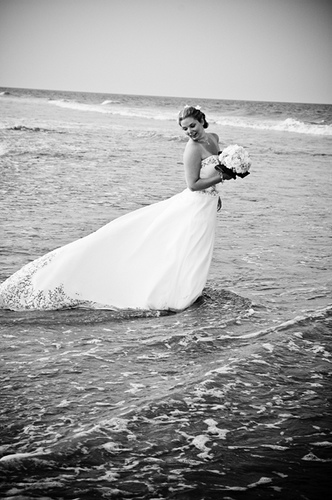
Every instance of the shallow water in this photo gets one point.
(229, 399)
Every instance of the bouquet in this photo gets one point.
(234, 161)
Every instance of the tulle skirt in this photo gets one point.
(156, 257)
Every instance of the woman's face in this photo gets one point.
(193, 128)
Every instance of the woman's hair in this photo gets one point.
(196, 113)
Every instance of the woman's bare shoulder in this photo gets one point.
(215, 136)
(192, 150)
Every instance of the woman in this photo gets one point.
(156, 257)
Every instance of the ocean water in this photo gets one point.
(230, 399)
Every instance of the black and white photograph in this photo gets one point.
(165, 249)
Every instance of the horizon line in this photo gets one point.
(166, 96)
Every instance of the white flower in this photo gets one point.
(235, 158)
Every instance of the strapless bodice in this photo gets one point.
(208, 166)
(208, 169)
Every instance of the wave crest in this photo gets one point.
(288, 125)
(112, 107)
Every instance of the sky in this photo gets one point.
(260, 50)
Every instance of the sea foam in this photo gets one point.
(287, 125)
(107, 107)
(113, 108)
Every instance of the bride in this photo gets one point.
(156, 257)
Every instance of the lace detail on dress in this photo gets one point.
(18, 292)
(211, 191)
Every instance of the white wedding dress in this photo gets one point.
(156, 257)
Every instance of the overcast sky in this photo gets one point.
(265, 50)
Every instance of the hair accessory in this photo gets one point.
(186, 106)
(198, 108)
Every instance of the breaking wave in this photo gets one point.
(287, 125)
(115, 108)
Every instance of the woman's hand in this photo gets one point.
(226, 176)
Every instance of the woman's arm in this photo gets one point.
(192, 167)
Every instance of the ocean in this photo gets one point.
(229, 399)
